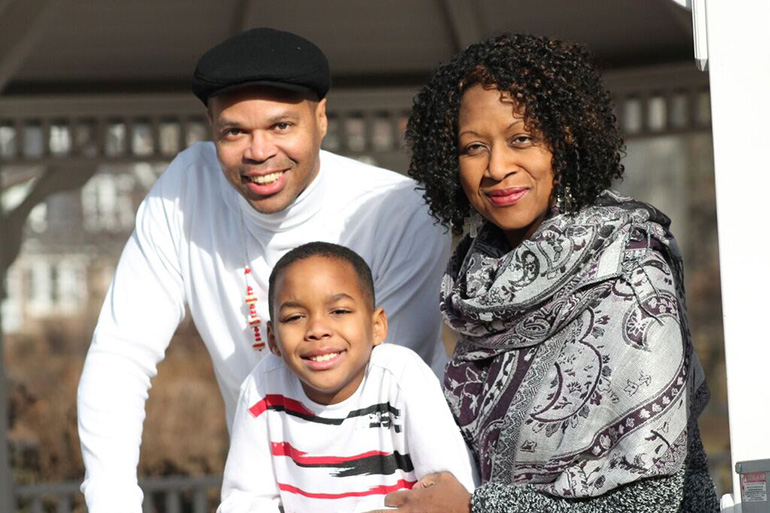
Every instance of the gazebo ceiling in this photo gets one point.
(111, 45)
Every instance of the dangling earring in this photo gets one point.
(473, 223)
(564, 199)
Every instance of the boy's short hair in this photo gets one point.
(327, 250)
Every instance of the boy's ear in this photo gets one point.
(379, 326)
(271, 343)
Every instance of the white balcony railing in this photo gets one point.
(161, 495)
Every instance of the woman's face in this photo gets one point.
(505, 169)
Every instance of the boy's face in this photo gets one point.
(324, 327)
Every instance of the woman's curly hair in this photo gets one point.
(563, 100)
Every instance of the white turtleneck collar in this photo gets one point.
(307, 205)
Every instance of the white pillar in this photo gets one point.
(7, 502)
(739, 71)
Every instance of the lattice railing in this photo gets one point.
(179, 494)
(661, 101)
(117, 128)
(649, 102)
(156, 127)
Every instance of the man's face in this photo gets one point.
(267, 143)
(324, 327)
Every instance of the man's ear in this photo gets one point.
(379, 326)
(323, 122)
(271, 343)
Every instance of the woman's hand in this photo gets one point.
(434, 493)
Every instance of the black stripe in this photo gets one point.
(370, 465)
(385, 410)
(382, 464)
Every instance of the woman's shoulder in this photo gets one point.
(640, 230)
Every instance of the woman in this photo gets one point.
(574, 378)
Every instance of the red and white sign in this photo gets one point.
(754, 487)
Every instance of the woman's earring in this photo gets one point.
(564, 199)
(473, 223)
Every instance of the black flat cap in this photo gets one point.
(262, 56)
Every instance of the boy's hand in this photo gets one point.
(434, 493)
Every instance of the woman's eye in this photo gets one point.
(522, 140)
(472, 149)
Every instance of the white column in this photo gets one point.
(739, 71)
(7, 502)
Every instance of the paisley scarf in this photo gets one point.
(574, 370)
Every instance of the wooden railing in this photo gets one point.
(179, 494)
(362, 123)
(664, 100)
(140, 128)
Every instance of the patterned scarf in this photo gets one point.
(546, 333)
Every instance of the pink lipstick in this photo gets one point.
(507, 197)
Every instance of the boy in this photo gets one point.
(333, 420)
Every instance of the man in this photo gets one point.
(215, 223)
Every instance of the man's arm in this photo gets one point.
(143, 307)
(412, 254)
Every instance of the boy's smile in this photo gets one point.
(324, 327)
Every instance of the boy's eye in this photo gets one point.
(340, 311)
(291, 318)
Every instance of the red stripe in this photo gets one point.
(377, 490)
(286, 449)
(274, 400)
